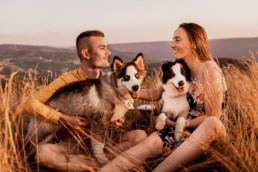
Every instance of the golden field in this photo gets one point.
(239, 152)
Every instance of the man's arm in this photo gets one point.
(36, 104)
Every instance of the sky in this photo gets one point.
(58, 22)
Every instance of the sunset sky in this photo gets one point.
(58, 22)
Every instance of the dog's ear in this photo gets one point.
(186, 69)
(166, 66)
(139, 61)
(117, 64)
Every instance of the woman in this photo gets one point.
(189, 43)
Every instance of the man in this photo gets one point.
(93, 53)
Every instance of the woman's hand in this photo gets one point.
(134, 94)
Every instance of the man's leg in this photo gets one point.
(136, 155)
(62, 157)
(130, 139)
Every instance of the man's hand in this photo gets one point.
(119, 123)
(78, 122)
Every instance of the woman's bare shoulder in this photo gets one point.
(215, 74)
(212, 69)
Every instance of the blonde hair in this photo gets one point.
(198, 38)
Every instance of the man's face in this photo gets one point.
(98, 52)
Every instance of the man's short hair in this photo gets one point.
(82, 40)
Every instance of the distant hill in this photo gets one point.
(156, 52)
(58, 60)
(233, 48)
(44, 59)
(153, 51)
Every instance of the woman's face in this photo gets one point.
(181, 44)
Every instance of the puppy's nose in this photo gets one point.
(135, 87)
(181, 83)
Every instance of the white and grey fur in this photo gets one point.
(176, 84)
(100, 100)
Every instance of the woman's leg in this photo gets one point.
(208, 131)
(135, 156)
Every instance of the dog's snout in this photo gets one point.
(181, 83)
(135, 87)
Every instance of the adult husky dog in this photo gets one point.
(176, 83)
(101, 100)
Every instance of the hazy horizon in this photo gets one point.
(57, 23)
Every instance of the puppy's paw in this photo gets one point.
(160, 122)
(178, 135)
(180, 125)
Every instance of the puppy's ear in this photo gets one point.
(139, 61)
(117, 64)
(166, 66)
(186, 69)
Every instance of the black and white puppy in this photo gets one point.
(176, 83)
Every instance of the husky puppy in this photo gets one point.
(176, 83)
(101, 100)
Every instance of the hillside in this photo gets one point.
(58, 60)
(44, 59)
(236, 48)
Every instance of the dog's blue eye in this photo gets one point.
(126, 78)
(136, 75)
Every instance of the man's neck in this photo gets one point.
(90, 72)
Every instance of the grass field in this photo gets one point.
(239, 152)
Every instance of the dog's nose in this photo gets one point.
(135, 87)
(181, 83)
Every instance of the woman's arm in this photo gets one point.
(193, 123)
(213, 83)
(170, 123)
(150, 94)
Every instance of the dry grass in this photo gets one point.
(239, 152)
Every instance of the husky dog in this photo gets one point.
(176, 83)
(101, 100)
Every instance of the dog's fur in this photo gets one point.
(101, 100)
(176, 83)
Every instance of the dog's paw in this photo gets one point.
(178, 135)
(160, 122)
(180, 126)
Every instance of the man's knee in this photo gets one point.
(154, 143)
(137, 136)
(42, 153)
(45, 152)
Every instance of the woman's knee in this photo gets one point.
(216, 125)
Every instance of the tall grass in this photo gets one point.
(239, 152)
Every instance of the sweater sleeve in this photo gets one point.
(36, 104)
